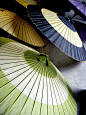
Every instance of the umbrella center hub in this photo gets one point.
(70, 19)
(44, 58)
(84, 3)
(40, 63)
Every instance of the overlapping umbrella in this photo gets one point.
(81, 6)
(16, 26)
(30, 84)
(59, 31)
(25, 3)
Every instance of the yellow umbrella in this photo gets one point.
(19, 28)
(25, 3)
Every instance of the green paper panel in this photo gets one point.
(4, 40)
(50, 109)
(8, 101)
(56, 110)
(27, 106)
(1, 74)
(17, 106)
(5, 90)
(44, 109)
(71, 101)
(71, 105)
(64, 109)
(31, 59)
(36, 108)
(3, 81)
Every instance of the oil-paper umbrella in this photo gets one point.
(81, 6)
(16, 26)
(59, 31)
(25, 3)
(30, 84)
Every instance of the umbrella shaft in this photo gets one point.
(44, 46)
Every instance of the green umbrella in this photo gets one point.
(30, 84)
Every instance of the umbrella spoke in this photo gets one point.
(79, 5)
(33, 86)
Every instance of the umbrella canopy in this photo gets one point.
(30, 84)
(25, 3)
(81, 6)
(59, 31)
(19, 28)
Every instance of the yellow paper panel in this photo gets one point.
(20, 32)
(20, 28)
(25, 3)
(15, 33)
(6, 24)
(13, 27)
(31, 2)
(25, 32)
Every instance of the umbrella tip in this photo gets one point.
(70, 19)
(84, 3)
(44, 58)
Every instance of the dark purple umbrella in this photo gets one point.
(81, 6)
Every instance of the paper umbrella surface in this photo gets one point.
(16, 26)
(30, 84)
(81, 6)
(59, 31)
(25, 3)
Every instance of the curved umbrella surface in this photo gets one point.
(28, 86)
(16, 26)
(59, 31)
(25, 3)
(81, 6)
